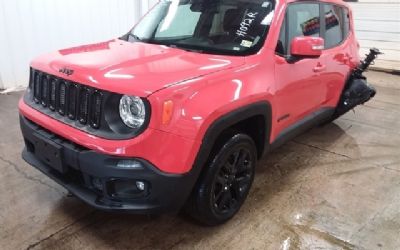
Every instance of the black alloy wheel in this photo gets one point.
(233, 180)
(225, 182)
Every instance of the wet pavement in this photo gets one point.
(335, 187)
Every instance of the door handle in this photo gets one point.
(319, 68)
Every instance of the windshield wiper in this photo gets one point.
(176, 46)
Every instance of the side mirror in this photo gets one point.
(307, 46)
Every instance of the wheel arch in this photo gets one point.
(251, 112)
(223, 123)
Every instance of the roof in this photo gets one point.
(341, 2)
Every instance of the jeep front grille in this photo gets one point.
(68, 99)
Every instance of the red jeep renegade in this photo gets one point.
(177, 112)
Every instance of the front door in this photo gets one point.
(299, 88)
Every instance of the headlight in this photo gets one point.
(132, 111)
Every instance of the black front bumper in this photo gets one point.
(96, 179)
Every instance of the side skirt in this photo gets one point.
(302, 126)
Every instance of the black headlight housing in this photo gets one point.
(114, 121)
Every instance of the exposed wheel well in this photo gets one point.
(254, 127)
(253, 120)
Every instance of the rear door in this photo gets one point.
(300, 90)
(340, 46)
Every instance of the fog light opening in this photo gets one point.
(127, 189)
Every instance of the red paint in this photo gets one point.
(307, 46)
(202, 88)
(132, 68)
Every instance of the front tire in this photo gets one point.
(225, 182)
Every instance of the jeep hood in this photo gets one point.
(131, 68)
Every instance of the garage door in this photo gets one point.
(1, 84)
(378, 25)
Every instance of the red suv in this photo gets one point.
(177, 112)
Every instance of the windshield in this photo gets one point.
(234, 27)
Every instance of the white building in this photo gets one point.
(31, 27)
(378, 25)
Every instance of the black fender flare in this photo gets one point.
(226, 121)
(217, 127)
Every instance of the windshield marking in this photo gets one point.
(246, 43)
(246, 24)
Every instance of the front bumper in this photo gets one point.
(96, 179)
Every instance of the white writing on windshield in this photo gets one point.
(246, 23)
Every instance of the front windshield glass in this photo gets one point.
(234, 27)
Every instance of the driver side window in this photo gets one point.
(302, 19)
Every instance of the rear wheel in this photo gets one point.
(225, 182)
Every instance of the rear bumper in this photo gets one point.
(95, 178)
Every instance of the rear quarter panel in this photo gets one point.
(340, 62)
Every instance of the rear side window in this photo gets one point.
(346, 23)
(333, 25)
(301, 20)
(337, 25)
